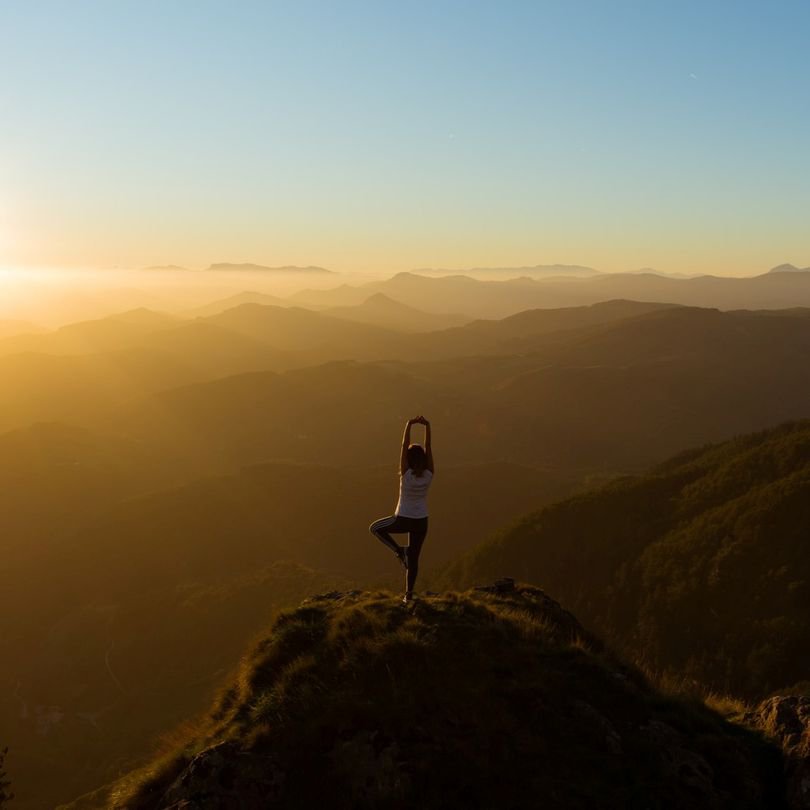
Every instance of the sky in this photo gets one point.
(384, 136)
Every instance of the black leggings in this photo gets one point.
(415, 528)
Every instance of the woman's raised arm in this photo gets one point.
(406, 441)
(428, 446)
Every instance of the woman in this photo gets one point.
(411, 515)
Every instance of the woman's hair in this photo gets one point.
(417, 459)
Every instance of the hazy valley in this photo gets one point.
(404, 406)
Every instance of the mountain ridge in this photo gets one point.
(353, 701)
(788, 268)
(382, 310)
(497, 298)
(524, 270)
(248, 267)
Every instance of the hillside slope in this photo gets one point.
(164, 587)
(84, 702)
(491, 698)
(701, 567)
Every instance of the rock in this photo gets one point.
(503, 585)
(786, 719)
(606, 730)
(319, 597)
(331, 596)
(225, 777)
(687, 767)
(370, 767)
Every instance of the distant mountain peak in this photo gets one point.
(382, 300)
(788, 268)
(141, 315)
(527, 271)
(135, 311)
(248, 267)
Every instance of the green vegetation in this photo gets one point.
(700, 568)
(476, 699)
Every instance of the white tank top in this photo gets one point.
(413, 491)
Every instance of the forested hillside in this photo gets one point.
(700, 567)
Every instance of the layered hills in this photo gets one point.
(496, 298)
(117, 331)
(541, 270)
(380, 310)
(699, 568)
(612, 396)
(247, 267)
(85, 699)
(148, 589)
(10, 328)
(235, 300)
(159, 469)
(610, 386)
(488, 698)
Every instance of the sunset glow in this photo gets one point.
(404, 404)
(380, 139)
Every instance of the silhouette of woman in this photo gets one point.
(411, 515)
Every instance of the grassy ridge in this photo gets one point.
(474, 699)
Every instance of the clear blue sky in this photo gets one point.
(391, 135)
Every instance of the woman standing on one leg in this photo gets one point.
(411, 514)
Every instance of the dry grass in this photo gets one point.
(727, 706)
(456, 677)
(684, 688)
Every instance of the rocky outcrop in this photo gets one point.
(224, 777)
(786, 720)
(493, 697)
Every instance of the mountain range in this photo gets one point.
(547, 270)
(247, 267)
(168, 483)
(10, 328)
(610, 386)
(498, 298)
